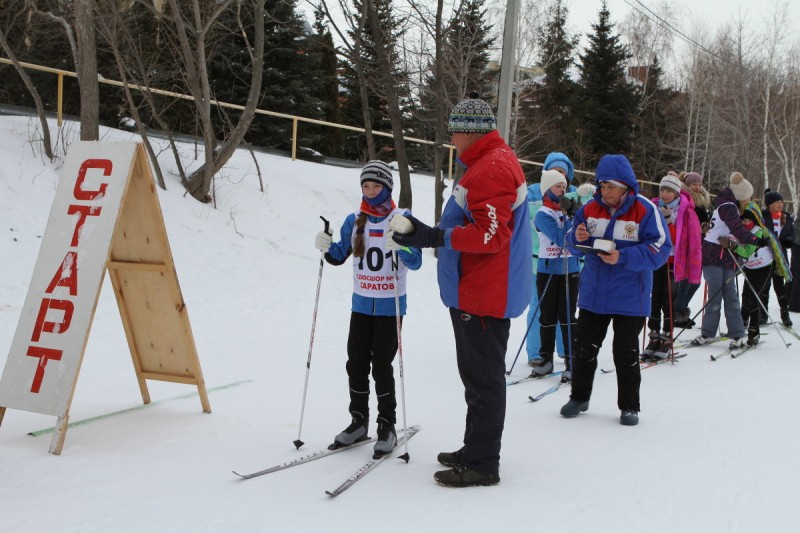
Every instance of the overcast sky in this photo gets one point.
(696, 13)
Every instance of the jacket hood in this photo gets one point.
(559, 160)
(726, 195)
(617, 167)
(686, 197)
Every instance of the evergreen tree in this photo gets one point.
(355, 145)
(468, 43)
(322, 54)
(546, 109)
(609, 100)
(657, 127)
(290, 76)
(466, 69)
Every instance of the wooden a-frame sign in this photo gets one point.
(105, 216)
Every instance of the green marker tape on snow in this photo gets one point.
(115, 413)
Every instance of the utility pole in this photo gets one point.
(507, 69)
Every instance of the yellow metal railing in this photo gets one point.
(295, 119)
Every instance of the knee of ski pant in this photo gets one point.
(629, 357)
(585, 352)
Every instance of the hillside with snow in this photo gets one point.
(714, 451)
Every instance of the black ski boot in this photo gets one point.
(785, 318)
(664, 346)
(451, 459)
(544, 368)
(652, 346)
(461, 476)
(355, 432)
(753, 336)
(387, 440)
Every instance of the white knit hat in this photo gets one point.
(670, 182)
(741, 188)
(550, 178)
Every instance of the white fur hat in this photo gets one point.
(550, 178)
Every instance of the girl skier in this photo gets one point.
(372, 340)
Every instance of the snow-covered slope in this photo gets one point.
(715, 449)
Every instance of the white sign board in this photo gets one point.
(48, 345)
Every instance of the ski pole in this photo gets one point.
(396, 267)
(758, 299)
(671, 316)
(533, 317)
(569, 313)
(299, 442)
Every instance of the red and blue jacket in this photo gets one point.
(640, 233)
(485, 265)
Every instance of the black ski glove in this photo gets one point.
(421, 236)
(761, 242)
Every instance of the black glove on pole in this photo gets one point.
(421, 236)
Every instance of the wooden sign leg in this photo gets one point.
(201, 391)
(2, 414)
(60, 433)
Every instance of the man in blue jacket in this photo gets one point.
(615, 286)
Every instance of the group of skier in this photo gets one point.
(602, 247)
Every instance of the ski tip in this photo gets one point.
(331, 494)
(405, 457)
(298, 443)
(531, 398)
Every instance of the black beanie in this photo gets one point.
(770, 197)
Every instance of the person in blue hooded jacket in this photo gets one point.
(561, 163)
(615, 286)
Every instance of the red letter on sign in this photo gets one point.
(67, 275)
(83, 212)
(44, 355)
(49, 327)
(103, 164)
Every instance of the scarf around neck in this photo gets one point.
(379, 210)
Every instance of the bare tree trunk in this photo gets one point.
(115, 31)
(86, 66)
(385, 52)
(194, 60)
(48, 146)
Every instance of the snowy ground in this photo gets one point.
(713, 451)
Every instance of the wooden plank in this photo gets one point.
(124, 265)
(57, 442)
(189, 380)
(2, 414)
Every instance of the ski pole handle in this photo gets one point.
(327, 225)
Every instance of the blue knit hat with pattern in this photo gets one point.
(471, 115)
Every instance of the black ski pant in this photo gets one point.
(554, 309)
(756, 279)
(794, 285)
(661, 304)
(781, 289)
(481, 343)
(372, 341)
(592, 329)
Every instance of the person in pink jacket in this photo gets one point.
(685, 263)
